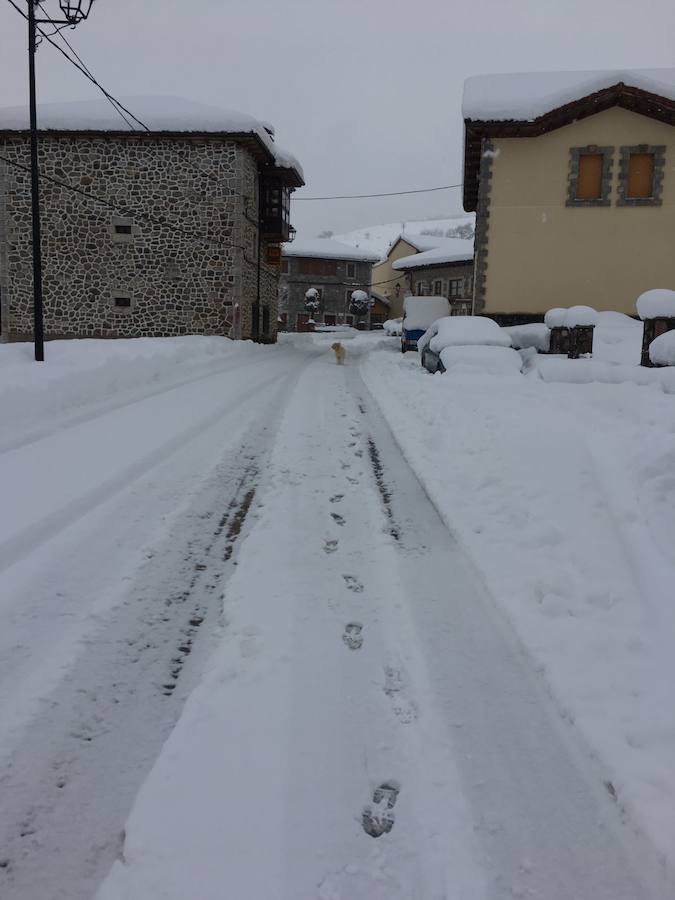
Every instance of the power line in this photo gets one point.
(444, 187)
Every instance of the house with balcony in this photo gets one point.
(318, 277)
(145, 234)
(572, 177)
(444, 271)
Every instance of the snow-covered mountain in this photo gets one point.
(380, 237)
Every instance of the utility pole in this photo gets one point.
(74, 12)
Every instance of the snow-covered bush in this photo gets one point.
(312, 300)
(463, 331)
(580, 316)
(359, 303)
(393, 327)
(662, 349)
(655, 303)
(534, 334)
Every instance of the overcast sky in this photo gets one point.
(366, 93)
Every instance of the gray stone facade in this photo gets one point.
(335, 289)
(454, 281)
(480, 241)
(169, 248)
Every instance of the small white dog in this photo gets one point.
(340, 353)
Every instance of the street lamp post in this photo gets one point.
(73, 12)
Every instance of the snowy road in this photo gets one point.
(361, 722)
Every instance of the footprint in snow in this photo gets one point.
(378, 817)
(336, 498)
(352, 636)
(339, 519)
(353, 584)
(330, 546)
(396, 685)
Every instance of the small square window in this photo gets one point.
(122, 229)
(122, 302)
(641, 170)
(590, 176)
(351, 270)
(456, 288)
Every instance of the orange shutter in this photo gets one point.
(640, 176)
(589, 182)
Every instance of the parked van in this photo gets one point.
(419, 313)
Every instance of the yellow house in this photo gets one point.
(572, 177)
(392, 284)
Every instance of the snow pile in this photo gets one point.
(449, 251)
(463, 331)
(420, 312)
(393, 327)
(534, 334)
(159, 113)
(582, 563)
(577, 316)
(655, 303)
(524, 96)
(490, 360)
(617, 339)
(662, 349)
(80, 373)
(555, 318)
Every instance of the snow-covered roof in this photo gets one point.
(381, 238)
(326, 248)
(422, 242)
(523, 96)
(160, 114)
(450, 250)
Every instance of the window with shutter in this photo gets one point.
(590, 176)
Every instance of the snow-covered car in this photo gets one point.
(470, 343)
(393, 327)
(418, 314)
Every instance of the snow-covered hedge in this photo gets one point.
(534, 334)
(491, 360)
(580, 316)
(662, 349)
(463, 331)
(655, 303)
(555, 318)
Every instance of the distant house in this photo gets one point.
(168, 232)
(572, 176)
(445, 271)
(331, 272)
(389, 281)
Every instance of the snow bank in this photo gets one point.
(490, 360)
(534, 334)
(662, 349)
(589, 371)
(526, 95)
(80, 373)
(582, 563)
(463, 331)
(420, 312)
(580, 316)
(555, 318)
(655, 303)
(617, 339)
(393, 327)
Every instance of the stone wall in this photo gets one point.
(335, 289)
(188, 257)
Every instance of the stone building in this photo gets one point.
(445, 271)
(333, 270)
(167, 232)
